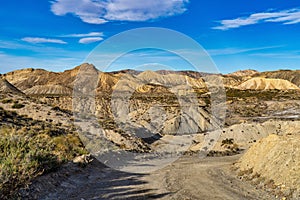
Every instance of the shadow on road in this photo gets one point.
(95, 181)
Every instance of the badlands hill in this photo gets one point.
(27, 78)
(248, 72)
(42, 82)
(289, 75)
(267, 84)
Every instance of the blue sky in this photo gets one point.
(60, 34)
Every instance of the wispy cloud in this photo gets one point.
(291, 16)
(100, 11)
(89, 40)
(232, 51)
(79, 35)
(279, 55)
(36, 40)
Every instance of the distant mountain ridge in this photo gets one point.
(248, 72)
(41, 82)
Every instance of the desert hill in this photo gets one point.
(27, 78)
(267, 84)
(290, 75)
(42, 82)
(32, 81)
(248, 72)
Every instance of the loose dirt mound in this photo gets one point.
(267, 84)
(245, 134)
(276, 159)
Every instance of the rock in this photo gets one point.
(83, 159)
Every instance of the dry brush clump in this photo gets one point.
(22, 158)
(27, 151)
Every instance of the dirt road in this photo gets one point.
(188, 178)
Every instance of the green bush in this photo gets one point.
(18, 106)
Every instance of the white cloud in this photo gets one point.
(138, 10)
(87, 10)
(89, 40)
(91, 34)
(36, 40)
(92, 20)
(101, 11)
(291, 16)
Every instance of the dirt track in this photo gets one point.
(188, 178)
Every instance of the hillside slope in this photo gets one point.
(276, 159)
(267, 84)
(290, 75)
(6, 87)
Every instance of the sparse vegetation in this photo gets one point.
(7, 101)
(32, 149)
(231, 146)
(17, 106)
(227, 141)
(22, 159)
